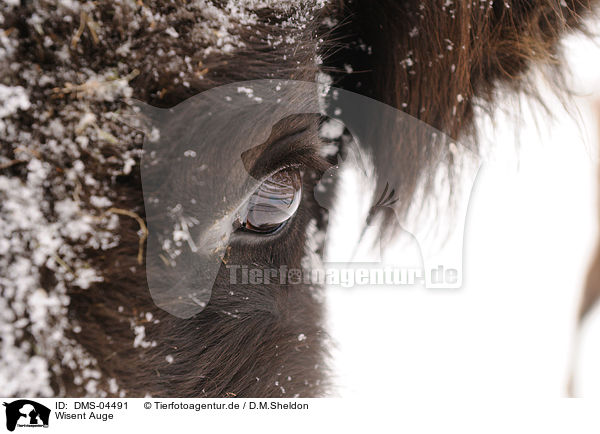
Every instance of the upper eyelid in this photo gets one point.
(282, 154)
(285, 166)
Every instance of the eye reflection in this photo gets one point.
(274, 202)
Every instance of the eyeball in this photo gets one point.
(274, 202)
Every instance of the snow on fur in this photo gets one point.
(44, 223)
(56, 113)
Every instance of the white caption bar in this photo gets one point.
(156, 415)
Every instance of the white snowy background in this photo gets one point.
(529, 237)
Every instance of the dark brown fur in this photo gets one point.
(256, 352)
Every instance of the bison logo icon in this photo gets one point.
(26, 413)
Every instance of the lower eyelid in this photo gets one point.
(249, 237)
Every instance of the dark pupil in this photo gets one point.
(275, 201)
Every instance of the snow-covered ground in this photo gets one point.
(529, 237)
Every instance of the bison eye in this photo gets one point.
(274, 202)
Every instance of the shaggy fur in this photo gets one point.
(435, 60)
